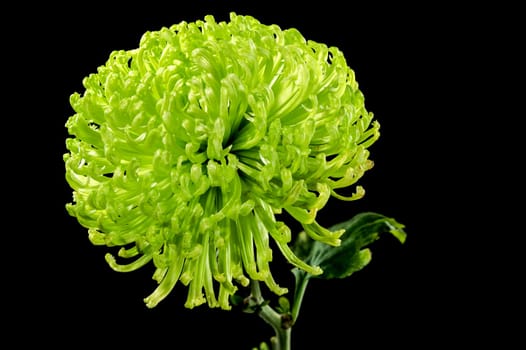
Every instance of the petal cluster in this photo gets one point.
(185, 151)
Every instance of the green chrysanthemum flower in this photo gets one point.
(186, 150)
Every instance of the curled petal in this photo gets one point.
(140, 262)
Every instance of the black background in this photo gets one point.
(415, 66)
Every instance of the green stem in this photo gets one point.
(301, 287)
(276, 320)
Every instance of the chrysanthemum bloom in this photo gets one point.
(185, 151)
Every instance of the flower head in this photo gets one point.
(184, 152)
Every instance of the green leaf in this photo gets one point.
(352, 254)
(284, 305)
